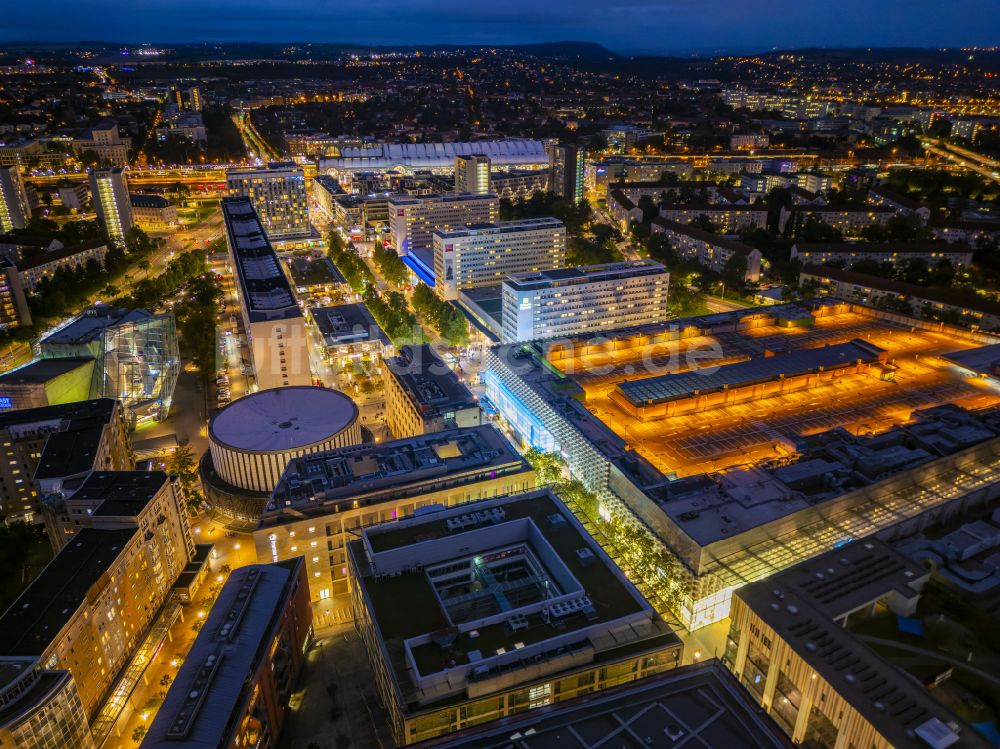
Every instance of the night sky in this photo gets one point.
(636, 25)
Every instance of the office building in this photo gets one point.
(194, 98)
(52, 714)
(790, 644)
(481, 611)
(749, 141)
(278, 194)
(315, 277)
(15, 212)
(47, 382)
(468, 257)
(349, 333)
(47, 447)
(566, 172)
(88, 611)
(894, 254)
(414, 219)
(275, 329)
(234, 687)
(14, 310)
(325, 191)
(323, 499)
(109, 193)
(423, 394)
(153, 212)
(713, 251)
(568, 302)
(814, 182)
(135, 353)
(472, 174)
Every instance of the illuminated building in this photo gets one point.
(896, 254)
(424, 395)
(153, 212)
(88, 612)
(481, 611)
(109, 193)
(275, 329)
(848, 220)
(325, 190)
(234, 687)
(42, 262)
(278, 194)
(475, 255)
(55, 716)
(721, 435)
(790, 644)
(194, 98)
(136, 355)
(519, 153)
(323, 499)
(350, 332)
(576, 301)
(15, 212)
(728, 219)
(712, 251)
(520, 184)
(414, 219)
(14, 310)
(749, 141)
(813, 182)
(566, 172)
(902, 204)
(472, 174)
(104, 140)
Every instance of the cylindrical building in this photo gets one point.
(252, 439)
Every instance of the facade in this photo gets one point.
(728, 219)
(520, 184)
(253, 438)
(46, 447)
(276, 331)
(791, 646)
(749, 141)
(350, 332)
(74, 195)
(414, 219)
(109, 193)
(325, 191)
(315, 277)
(472, 174)
(600, 174)
(153, 212)
(566, 172)
(323, 499)
(234, 687)
(278, 194)
(468, 257)
(898, 255)
(568, 302)
(15, 212)
(14, 310)
(814, 182)
(481, 611)
(520, 153)
(36, 267)
(423, 394)
(47, 382)
(136, 355)
(104, 140)
(88, 611)
(883, 196)
(848, 220)
(55, 717)
(710, 250)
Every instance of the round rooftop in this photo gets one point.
(285, 418)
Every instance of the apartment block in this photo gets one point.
(414, 219)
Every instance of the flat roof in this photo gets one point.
(121, 493)
(44, 257)
(503, 227)
(701, 235)
(431, 385)
(281, 419)
(206, 700)
(583, 274)
(92, 322)
(39, 614)
(799, 604)
(983, 360)
(759, 369)
(702, 705)
(309, 270)
(372, 473)
(98, 409)
(346, 324)
(431, 198)
(40, 371)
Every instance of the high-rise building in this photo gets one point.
(413, 219)
(275, 328)
(15, 213)
(109, 194)
(14, 310)
(424, 395)
(278, 194)
(194, 98)
(237, 679)
(477, 255)
(566, 172)
(472, 174)
(579, 301)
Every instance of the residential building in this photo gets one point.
(472, 174)
(519, 184)
(153, 212)
(183, 124)
(535, 613)
(848, 220)
(47, 446)
(414, 219)
(713, 251)
(475, 255)
(566, 172)
(600, 175)
(54, 716)
(749, 141)
(136, 355)
(814, 182)
(88, 611)
(109, 193)
(325, 191)
(424, 395)
(763, 182)
(567, 302)
(902, 204)
(276, 331)
(727, 219)
(74, 195)
(40, 263)
(898, 255)
(14, 310)
(105, 141)
(278, 194)
(323, 499)
(235, 685)
(15, 212)
(972, 231)
(790, 644)
(959, 308)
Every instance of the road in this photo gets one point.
(981, 165)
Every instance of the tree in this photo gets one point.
(815, 230)
(138, 734)
(547, 466)
(703, 222)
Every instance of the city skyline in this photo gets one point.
(671, 26)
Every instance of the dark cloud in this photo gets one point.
(644, 24)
